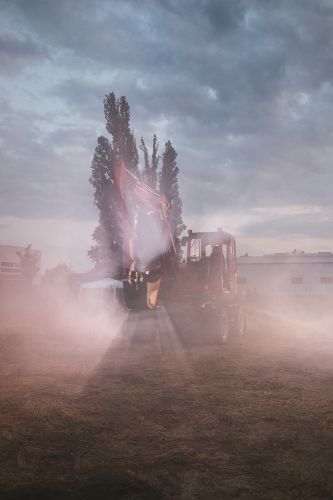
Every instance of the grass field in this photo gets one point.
(136, 407)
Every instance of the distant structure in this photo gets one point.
(10, 270)
(287, 274)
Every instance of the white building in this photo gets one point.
(10, 263)
(287, 274)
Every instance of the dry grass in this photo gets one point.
(156, 413)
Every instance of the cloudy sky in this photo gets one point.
(242, 88)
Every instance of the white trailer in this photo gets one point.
(299, 274)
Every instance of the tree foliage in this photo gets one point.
(121, 146)
(108, 235)
(168, 185)
(149, 172)
(102, 179)
(58, 276)
(117, 116)
(29, 266)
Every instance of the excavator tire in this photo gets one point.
(224, 326)
(242, 321)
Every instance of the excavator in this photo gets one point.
(204, 284)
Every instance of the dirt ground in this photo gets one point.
(136, 406)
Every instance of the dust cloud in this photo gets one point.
(296, 330)
(49, 330)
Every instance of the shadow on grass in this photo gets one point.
(96, 484)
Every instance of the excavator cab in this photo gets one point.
(211, 259)
(209, 280)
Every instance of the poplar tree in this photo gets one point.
(168, 185)
(117, 116)
(108, 250)
(149, 172)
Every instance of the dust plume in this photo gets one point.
(49, 330)
(298, 326)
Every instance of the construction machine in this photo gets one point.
(204, 285)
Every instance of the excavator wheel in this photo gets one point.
(224, 326)
(242, 321)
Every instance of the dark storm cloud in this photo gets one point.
(82, 96)
(43, 177)
(16, 51)
(242, 88)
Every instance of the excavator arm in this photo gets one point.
(148, 245)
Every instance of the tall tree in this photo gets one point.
(149, 172)
(116, 215)
(168, 185)
(29, 266)
(117, 116)
(148, 237)
(108, 250)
